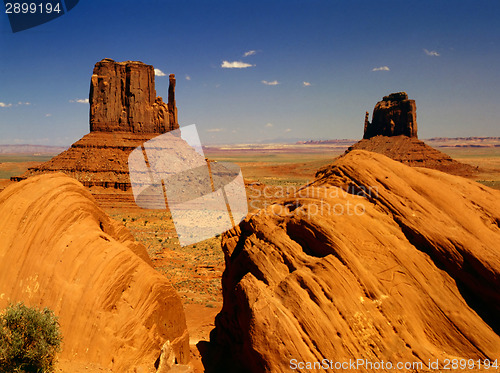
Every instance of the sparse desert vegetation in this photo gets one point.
(29, 339)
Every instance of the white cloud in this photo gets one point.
(158, 72)
(381, 68)
(215, 130)
(80, 100)
(274, 82)
(235, 65)
(3, 104)
(288, 130)
(48, 115)
(431, 53)
(269, 125)
(306, 84)
(249, 53)
(188, 77)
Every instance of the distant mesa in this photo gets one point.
(393, 133)
(124, 113)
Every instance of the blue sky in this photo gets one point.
(316, 66)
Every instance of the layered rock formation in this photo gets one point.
(97, 159)
(58, 249)
(124, 113)
(393, 133)
(373, 260)
(123, 98)
(393, 116)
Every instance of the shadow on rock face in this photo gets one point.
(412, 274)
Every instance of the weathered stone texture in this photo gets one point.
(393, 116)
(123, 99)
(124, 114)
(413, 275)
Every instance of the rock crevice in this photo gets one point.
(376, 291)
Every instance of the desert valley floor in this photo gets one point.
(270, 171)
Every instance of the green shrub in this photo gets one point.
(29, 339)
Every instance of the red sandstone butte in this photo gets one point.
(124, 113)
(393, 133)
(123, 99)
(393, 116)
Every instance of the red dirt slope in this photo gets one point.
(415, 153)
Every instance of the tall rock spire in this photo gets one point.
(172, 108)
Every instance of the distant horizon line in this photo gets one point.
(272, 142)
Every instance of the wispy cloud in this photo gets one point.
(269, 125)
(24, 103)
(158, 72)
(3, 104)
(80, 100)
(431, 53)
(381, 68)
(188, 77)
(288, 130)
(48, 115)
(274, 82)
(215, 130)
(249, 53)
(235, 65)
(306, 84)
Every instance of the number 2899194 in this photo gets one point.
(32, 8)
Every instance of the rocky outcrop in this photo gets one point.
(172, 107)
(123, 98)
(393, 116)
(393, 133)
(124, 113)
(58, 249)
(373, 261)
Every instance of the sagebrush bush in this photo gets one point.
(29, 339)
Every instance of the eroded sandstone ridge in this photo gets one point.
(58, 249)
(124, 113)
(393, 116)
(374, 260)
(123, 99)
(393, 133)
